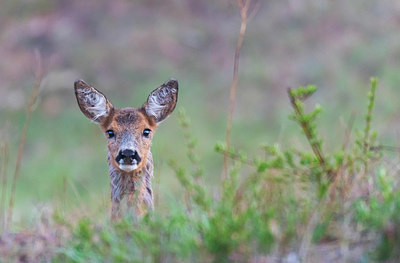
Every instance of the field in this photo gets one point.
(313, 173)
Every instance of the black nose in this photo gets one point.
(128, 157)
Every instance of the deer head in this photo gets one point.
(129, 131)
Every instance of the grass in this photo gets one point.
(29, 110)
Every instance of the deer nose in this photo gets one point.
(128, 156)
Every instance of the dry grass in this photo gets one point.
(244, 6)
(3, 178)
(29, 111)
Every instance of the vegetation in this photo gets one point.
(271, 205)
(325, 188)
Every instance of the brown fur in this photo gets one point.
(128, 125)
(133, 121)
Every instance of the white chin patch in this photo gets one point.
(128, 167)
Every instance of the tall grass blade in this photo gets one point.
(244, 7)
(29, 110)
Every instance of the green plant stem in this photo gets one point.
(305, 125)
(368, 117)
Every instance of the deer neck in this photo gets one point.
(125, 183)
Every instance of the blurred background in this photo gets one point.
(128, 48)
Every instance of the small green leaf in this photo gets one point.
(261, 167)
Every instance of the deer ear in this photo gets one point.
(162, 101)
(92, 102)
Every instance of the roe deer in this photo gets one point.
(129, 132)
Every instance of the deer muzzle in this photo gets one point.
(128, 160)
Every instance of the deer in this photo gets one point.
(129, 133)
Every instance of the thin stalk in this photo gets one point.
(3, 173)
(368, 120)
(315, 146)
(29, 110)
(244, 7)
(368, 117)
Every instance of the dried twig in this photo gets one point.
(244, 7)
(29, 110)
(3, 173)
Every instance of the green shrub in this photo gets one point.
(278, 201)
(380, 213)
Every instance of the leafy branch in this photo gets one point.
(307, 122)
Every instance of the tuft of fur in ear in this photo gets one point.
(93, 104)
(162, 101)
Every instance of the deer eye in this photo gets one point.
(146, 133)
(110, 134)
